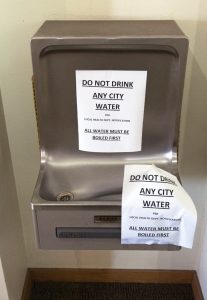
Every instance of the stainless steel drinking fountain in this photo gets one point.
(77, 199)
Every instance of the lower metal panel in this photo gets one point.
(74, 227)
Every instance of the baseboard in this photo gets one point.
(196, 287)
(111, 275)
(26, 293)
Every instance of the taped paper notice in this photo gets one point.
(110, 110)
(155, 208)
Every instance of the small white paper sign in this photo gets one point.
(155, 208)
(110, 108)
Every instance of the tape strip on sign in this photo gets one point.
(110, 107)
(155, 208)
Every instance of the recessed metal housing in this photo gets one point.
(94, 180)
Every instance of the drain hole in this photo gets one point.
(65, 197)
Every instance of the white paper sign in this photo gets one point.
(155, 208)
(110, 110)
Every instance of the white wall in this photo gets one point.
(3, 288)
(12, 251)
(199, 84)
(19, 20)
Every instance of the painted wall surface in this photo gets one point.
(199, 84)
(3, 288)
(12, 250)
(19, 20)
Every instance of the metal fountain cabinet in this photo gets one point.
(77, 199)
